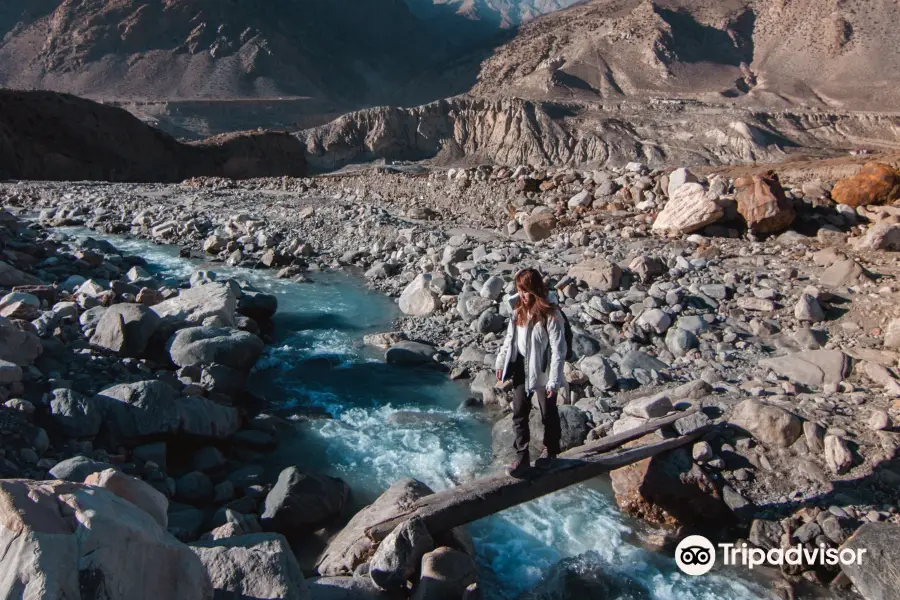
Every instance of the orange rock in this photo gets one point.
(876, 183)
(762, 203)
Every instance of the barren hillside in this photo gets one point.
(355, 50)
(836, 53)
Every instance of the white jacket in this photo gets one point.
(545, 354)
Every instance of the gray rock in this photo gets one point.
(69, 540)
(410, 353)
(680, 341)
(194, 305)
(152, 408)
(11, 276)
(598, 273)
(257, 305)
(91, 317)
(446, 573)
(844, 273)
(813, 368)
(876, 576)
(208, 345)
(126, 329)
(417, 299)
(582, 198)
(765, 534)
(641, 360)
(76, 415)
(769, 424)
(837, 454)
(490, 322)
(398, 556)
(650, 407)
(9, 372)
(351, 546)
(702, 451)
(259, 565)
(691, 423)
(301, 503)
(809, 309)
(692, 323)
(492, 289)
(77, 468)
(17, 346)
(655, 320)
(194, 488)
(599, 372)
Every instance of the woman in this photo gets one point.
(533, 355)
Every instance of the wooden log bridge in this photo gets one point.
(480, 498)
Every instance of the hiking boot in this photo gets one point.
(519, 467)
(545, 460)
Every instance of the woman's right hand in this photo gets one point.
(499, 374)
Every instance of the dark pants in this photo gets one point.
(521, 406)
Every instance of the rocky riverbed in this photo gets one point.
(770, 304)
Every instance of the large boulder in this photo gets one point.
(301, 503)
(259, 565)
(690, 208)
(135, 490)
(193, 305)
(539, 226)
(257, 305)
(573, 423)
(599, 372)
(77, 468)
(876, 576)
(585, 576)
(771, 425)
(875, 183)
(17, 346)
(844, 273)
(762, 203)
(76, 415)
(153, 408)
(398, 555)
(126, 329)
(220, 345)
(410, 353)
(813, 368)
(678, 178)
(668, 490)
(417, 299)
(70, 540)
(880, 236)
(598, 273)
(11, 276)
(446, 573)
(351, 547)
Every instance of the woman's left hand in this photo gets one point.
(550, 391)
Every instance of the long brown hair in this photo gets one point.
(534, 304)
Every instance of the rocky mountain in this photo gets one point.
(513, 131)
(834, 53)
(659, 81)
(51, 136)
(351, 50)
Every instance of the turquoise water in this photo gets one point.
(371, 424)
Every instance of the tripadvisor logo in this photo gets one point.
(696, 555)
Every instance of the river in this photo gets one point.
(371, 423)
